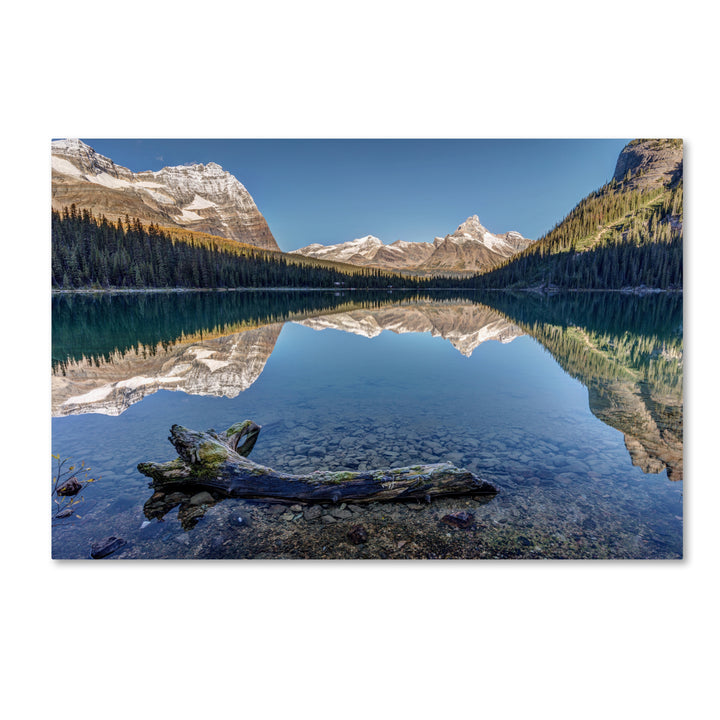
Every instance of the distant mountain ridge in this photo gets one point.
(472, 247)
(201, 198)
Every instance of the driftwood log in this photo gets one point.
(218, 461)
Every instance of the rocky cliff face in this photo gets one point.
(203, 198)
(650, 163)
(470, 248)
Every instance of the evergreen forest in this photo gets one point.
(90, 252)
(614, 238)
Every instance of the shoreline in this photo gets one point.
(539, 291)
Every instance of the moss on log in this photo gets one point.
(219, 461)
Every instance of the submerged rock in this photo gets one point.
(358, 535)
(106, 547)
(313, 512)
(462, 519)
(202, 498)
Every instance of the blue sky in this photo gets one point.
(332, 191)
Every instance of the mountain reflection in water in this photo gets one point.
(628, 352)
(215, 361)
(109, 353)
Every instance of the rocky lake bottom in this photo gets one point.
(554, 501)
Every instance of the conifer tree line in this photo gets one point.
(597, 336)
(614, 238)
(95, 252)
(643, 246)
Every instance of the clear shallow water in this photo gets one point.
(571, 405)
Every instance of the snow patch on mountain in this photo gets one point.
(71, 145)
(199, 203)
(65, 167)
(109, 181)
(161, 197)
(366, 247)
(198, 197)
(188, 216)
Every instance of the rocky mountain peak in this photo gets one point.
(70, 145)
(473, 230)
(369, 240)
(472, 226)
(209, 169)
(358, 252)
(200, 197)
(72, 156)
(206, 181)
(650, 162)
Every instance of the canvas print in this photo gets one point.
(367, 349)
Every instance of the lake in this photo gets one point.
(571, 404)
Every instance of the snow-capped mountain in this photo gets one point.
(470, 248)
(473, 247)
(371, 251)
(354, 251)
(204, 198)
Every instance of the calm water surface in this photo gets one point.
(571, 405)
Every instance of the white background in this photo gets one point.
(339, 639)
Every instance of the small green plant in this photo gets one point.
(67, 486)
